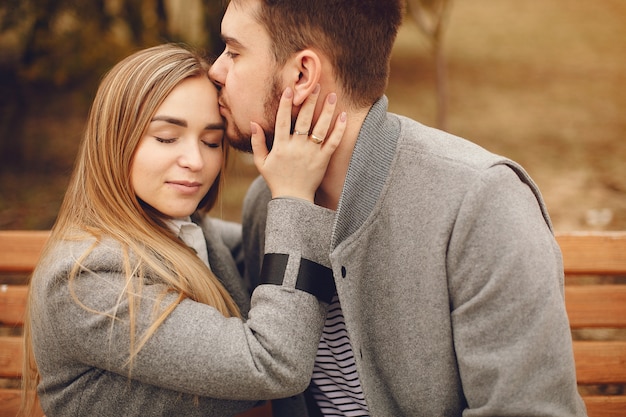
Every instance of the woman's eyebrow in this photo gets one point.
(183, 123)
(215, 126)
(168, 119)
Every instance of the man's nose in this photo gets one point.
(217, 72)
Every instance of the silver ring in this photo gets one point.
(315, 139)
(295, 132)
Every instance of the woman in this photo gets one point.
(133, 310)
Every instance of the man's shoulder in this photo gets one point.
(257, 193)
(254, 208)
(430, 142)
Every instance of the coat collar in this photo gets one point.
(368, 171)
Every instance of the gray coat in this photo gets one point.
(448, 274)
(229, 365)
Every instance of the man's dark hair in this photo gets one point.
(356, 35)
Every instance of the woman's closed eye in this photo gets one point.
(213, 137)
(165, 140)
(212, 144)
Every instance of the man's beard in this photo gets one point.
(240, 140)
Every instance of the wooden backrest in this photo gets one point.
(19, 252)
(595, 298)
(20, 249)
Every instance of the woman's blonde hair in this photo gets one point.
(100, 201)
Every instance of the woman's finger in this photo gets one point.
(259, 146)
(296, 167)
(320, 130)
(283, 116)
(334, 138)
(305, 115)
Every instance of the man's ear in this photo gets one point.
(309, 67)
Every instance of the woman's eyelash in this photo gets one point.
(164, 140)
(172, 140)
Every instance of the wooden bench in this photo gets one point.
(595, 295)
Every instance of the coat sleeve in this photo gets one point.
(253, 224)
(196, 350)
(510, 328)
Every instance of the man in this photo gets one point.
(445, 280)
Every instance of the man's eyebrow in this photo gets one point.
(230, 41)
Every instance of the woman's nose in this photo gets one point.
(191, 157)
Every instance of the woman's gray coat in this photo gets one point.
(198, 363)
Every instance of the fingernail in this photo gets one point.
(343, 116)
(317, 89)
(288, 92)
(332, 98)
(253, 128)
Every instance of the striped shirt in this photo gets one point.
(336, 386)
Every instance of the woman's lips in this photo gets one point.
(185, 187)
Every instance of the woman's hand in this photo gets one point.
(297, 163)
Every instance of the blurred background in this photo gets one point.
(541, 82)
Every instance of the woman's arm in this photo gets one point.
(197, 350)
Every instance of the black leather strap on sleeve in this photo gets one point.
(313, 278)
(316, 279)
(273, 268)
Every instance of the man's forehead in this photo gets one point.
(239, 22)
(243, 8)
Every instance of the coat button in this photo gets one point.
(343, 272)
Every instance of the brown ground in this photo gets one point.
(543, 83)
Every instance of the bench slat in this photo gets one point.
(593, 253)
(600, 362)
(583, 253)
(21, 249)
(605, 405)
(10, 403)
(13, 304)
(587, 305)
(11, 356)
(595, 306)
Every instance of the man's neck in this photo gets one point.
(329, 191)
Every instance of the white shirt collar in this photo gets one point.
(192, 235)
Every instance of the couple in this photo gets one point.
(396, 270)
